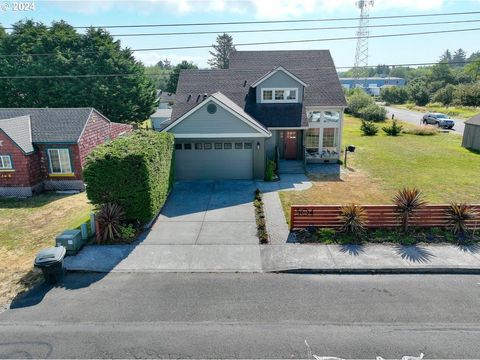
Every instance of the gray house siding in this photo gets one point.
(279, 80)
(221, 122)
(471, 137)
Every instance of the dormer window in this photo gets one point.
(280, 95)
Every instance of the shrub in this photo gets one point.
(407, 202)
(270, 170)
(394, 129)
(134, 171)
(127, 233)
(458, 215)
(368, 128)
(110, 218)
(394, 94)
(326, 235)
(353, 219)
(357, 101)
(373, 112)
(427, 130)
(260, 218)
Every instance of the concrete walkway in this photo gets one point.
(371, 258)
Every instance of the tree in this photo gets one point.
(418, 92)
(358, 100)
(394, 94)
(443, 73)
(459, 57)
(446, 57)
(222, 50)
(444, 95)
(120, 98)
(164, 64)
(175, 74)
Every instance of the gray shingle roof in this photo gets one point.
(474, 120)
(52, 124)
(315, 68)
(18, 129)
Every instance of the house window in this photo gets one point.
(331, 117)
(227, 146)
(312, 138)
(280, 95)
(218, 146)
(267, 95)
(59, 161)
(6, 162)
(314, 116)
(330, 137)
(178, 146)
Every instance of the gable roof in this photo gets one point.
(273, 72)
(223, 101)
(52, 124)
(314, 67)
(474, 120)
(19, 131)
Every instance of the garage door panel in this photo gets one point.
(213, 163)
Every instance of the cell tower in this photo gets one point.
(361, 53)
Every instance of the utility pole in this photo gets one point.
(361, 52)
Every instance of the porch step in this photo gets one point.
(291, 167)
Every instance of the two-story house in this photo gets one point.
(278, 105)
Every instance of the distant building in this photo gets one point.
(164, 112)
(471, 134)
(371, 85)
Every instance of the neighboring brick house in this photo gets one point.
(46, 148)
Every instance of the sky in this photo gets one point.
(394, 50)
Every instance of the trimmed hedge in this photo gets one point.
(135, 171)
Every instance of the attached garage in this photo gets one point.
(216, 159)
(217, 140)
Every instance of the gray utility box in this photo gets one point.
(71, 240)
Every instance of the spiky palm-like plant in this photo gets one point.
(458, 215)
(407, 202)
(110, 218)
(353, 218)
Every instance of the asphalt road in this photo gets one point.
(414, 117)
(127, 315)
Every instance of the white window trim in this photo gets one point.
(2, 162)
(273, 95)
(61, 168)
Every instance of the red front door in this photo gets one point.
(290, 141)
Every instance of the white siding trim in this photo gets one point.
(217, 136)
(280, 68)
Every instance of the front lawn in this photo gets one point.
(28, 225)
(437, 165)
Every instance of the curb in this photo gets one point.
(381, 271)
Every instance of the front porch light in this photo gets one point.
(258, 145)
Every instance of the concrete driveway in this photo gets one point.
(205, 226)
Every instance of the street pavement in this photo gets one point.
(126, 315)
(415, 117)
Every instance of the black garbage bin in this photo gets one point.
(51, 262)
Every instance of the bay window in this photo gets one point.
(330, 137)
(312, 138)
(59, 161)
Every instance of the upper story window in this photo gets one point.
(59, 161)
(280, 95)
(324, 117)
(6, 162)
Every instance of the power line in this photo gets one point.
(295, 29)
(254, 43)
(270, 21)
(167, 73)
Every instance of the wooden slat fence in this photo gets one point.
(378, 216)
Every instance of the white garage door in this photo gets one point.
(214, 160)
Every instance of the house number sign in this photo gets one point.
(303, 212)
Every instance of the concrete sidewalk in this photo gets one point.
(371, 258)
(275, 258)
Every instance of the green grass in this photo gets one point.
(28, 225)
(457, 112)
(437, 165)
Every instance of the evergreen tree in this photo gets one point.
(174, 75)
(459, 57)
(446, 57)
(120, 98)
(222, 50)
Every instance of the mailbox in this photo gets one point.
(351, 148)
